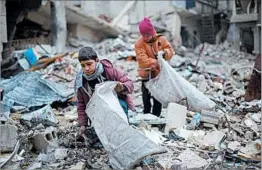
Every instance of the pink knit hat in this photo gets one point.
(146, 27)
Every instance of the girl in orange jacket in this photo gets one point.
(147, 48)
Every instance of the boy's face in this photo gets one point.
(88, 66)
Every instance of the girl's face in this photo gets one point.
(147, 37)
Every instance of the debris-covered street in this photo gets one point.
(210, 93)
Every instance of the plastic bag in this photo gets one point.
(126, 145)
(170, 87)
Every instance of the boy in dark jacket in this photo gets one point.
(95, 71)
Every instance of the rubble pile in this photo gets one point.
(45, 128)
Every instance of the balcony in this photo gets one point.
(244, 17)
(245, 11)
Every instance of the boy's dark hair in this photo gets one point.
(87, 53)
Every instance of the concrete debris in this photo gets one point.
(78, 166)
(186, 134)
(219, 159)
(256, 117)
(251, 124)
(60, 153)
(214, 139)
(252, 148)
(233, 127)
(42, 140)
(176, 116)
(191, 161)
(9, 138)
(36, 165)
(234, 146)
(212, 117)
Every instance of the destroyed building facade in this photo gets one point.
(246, 23)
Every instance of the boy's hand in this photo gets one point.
(82, 130)
(119, 87)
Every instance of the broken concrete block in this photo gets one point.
(250, 123)
(249, 135)
(191, 161)
(8, 138)
(208, 125)
(184, 133)
(252, 148)
(42, 157)
(78, 166)
(214, 139)
(217, 86)
(172, 163)
(219, 159)
(234, 146)
(36, 165)
(60, 153)
(256, 117)
(176, 116)
(42, 140)
(211, 117)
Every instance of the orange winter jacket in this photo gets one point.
(146, 55)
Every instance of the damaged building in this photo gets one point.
(246, 25)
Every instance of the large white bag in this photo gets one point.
(126, 146)
(170, 87)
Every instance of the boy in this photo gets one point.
(95, 71)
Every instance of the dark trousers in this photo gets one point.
(157, 106)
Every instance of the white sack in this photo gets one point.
(170, 87)
(126, 146)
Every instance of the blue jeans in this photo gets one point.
(124, 105)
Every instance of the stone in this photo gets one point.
(211, 116)
(214, 138)
(218, 86)
(249, 135)
(55, 165)
(256, 117)
(192, 161)
(250, 123)
(184, 133)
(39, 127)
(251, 148)
(36, 165)
(219, 159)
(8, 138)
(78, 166)
(234, 146)
(208, 125)
(30, 133)
(60, 153)
(43, 157)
